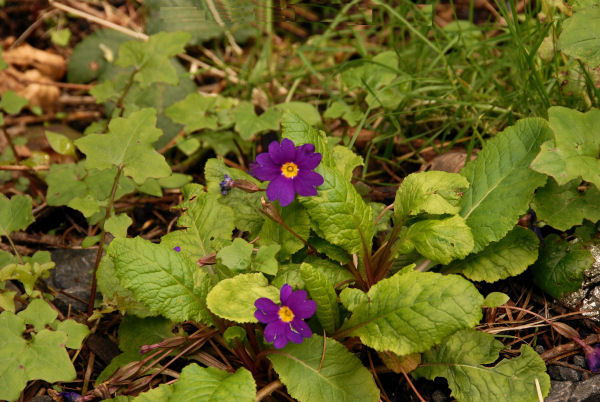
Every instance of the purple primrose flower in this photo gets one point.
(286, 322)
(592, 358)
(177, 248)
(226, 184)
(289, 169)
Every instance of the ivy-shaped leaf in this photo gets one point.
(265, 260)
(194, 112)
(209, 226)
(245, 206)
(563, 207)
(323, 370)
(247, 123)
(127, 145)
(12, 103)
(559, 269)
(15, 214)
(117, 225)
(160, 278)
(236, 256)
(39, 314)
(461, 359)
(151, 59)
(573, 153)
(411, 312)
(499, 260)
(432, 192)
(321, 290)
(502, 184)
(233, 298)
(579, 36)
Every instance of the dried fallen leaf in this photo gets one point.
(49, 64)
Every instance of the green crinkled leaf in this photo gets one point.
(135, 332)
(313, 372)
(332, 251)
(209, 384)
(160, 278)
(236, 256)
(12, 103)
(296, 217)
(433, 192)
(333, 271)
(244, 205)
(152, 58)
(346, 160)
(321, 290)
(340, 212)
(128, 144)
(194, 112)
(300, 132)
(580, 36)
(563, 207)
(233, 298)
(499, 260)
(441, 240)
(93, 56)
(15, 214)
(265, 260)
(573, 154)
(460, 359)
(75, 331)
(247, 123)
(559, 269)
(352, 297)
(161, 393)
(209, 226)
(411, 312)
(502, 184)
(117, 225)
(39, 314)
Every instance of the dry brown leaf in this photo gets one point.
(49, 64)
(39, 94)
(451, 161)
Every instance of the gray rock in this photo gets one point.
(587, 391)
(560, 391)
(72, 275)
(539, 349)
(567, 391)
(42, 398)
(561, 373)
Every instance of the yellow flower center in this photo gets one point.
(286, 314)
(289, 170)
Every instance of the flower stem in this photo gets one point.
(102, 240)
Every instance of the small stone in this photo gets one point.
(539, 349)
(561, 373)
(579, 361)
(439, 396)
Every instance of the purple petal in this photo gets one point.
(307, 148)
(593, 360)
(281, 189)
(293, 335)
(306, 161)
(265, 318)
(275, 330)
(280, 342)
(297, 297)
(282, 153)
(267, 306)
(305, 183)
(305, 309)
(301, 327)
(286, 291)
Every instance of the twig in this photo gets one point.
(20, 168)
(219, 21)
(268, 390)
